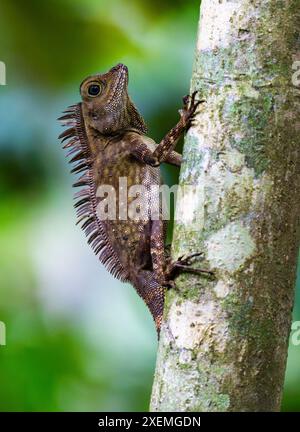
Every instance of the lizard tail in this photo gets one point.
(156, 307)
(153, 295)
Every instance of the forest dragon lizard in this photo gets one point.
(107, 141)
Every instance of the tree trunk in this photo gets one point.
(224, 341)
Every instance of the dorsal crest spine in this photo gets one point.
(86, 203)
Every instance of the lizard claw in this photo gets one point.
(185, 100)
(190, 106)
(183, 264)
(193, 96)
(186, 259)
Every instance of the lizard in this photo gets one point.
(107, 141)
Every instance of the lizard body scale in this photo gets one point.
(107, 141)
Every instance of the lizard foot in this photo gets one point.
(190, 106)
(183, 264)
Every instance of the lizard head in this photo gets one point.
(106, 105)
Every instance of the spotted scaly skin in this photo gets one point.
(107, 141)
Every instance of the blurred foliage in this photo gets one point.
(76, 338)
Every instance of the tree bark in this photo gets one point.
(224, 340)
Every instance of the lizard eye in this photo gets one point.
(94, 90)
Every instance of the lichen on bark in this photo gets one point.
(223, 344)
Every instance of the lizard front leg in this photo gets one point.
(186, 116)
(164, 152)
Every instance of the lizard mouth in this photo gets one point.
(86, 200)
(120, 83)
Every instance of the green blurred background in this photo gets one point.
(76, 338)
